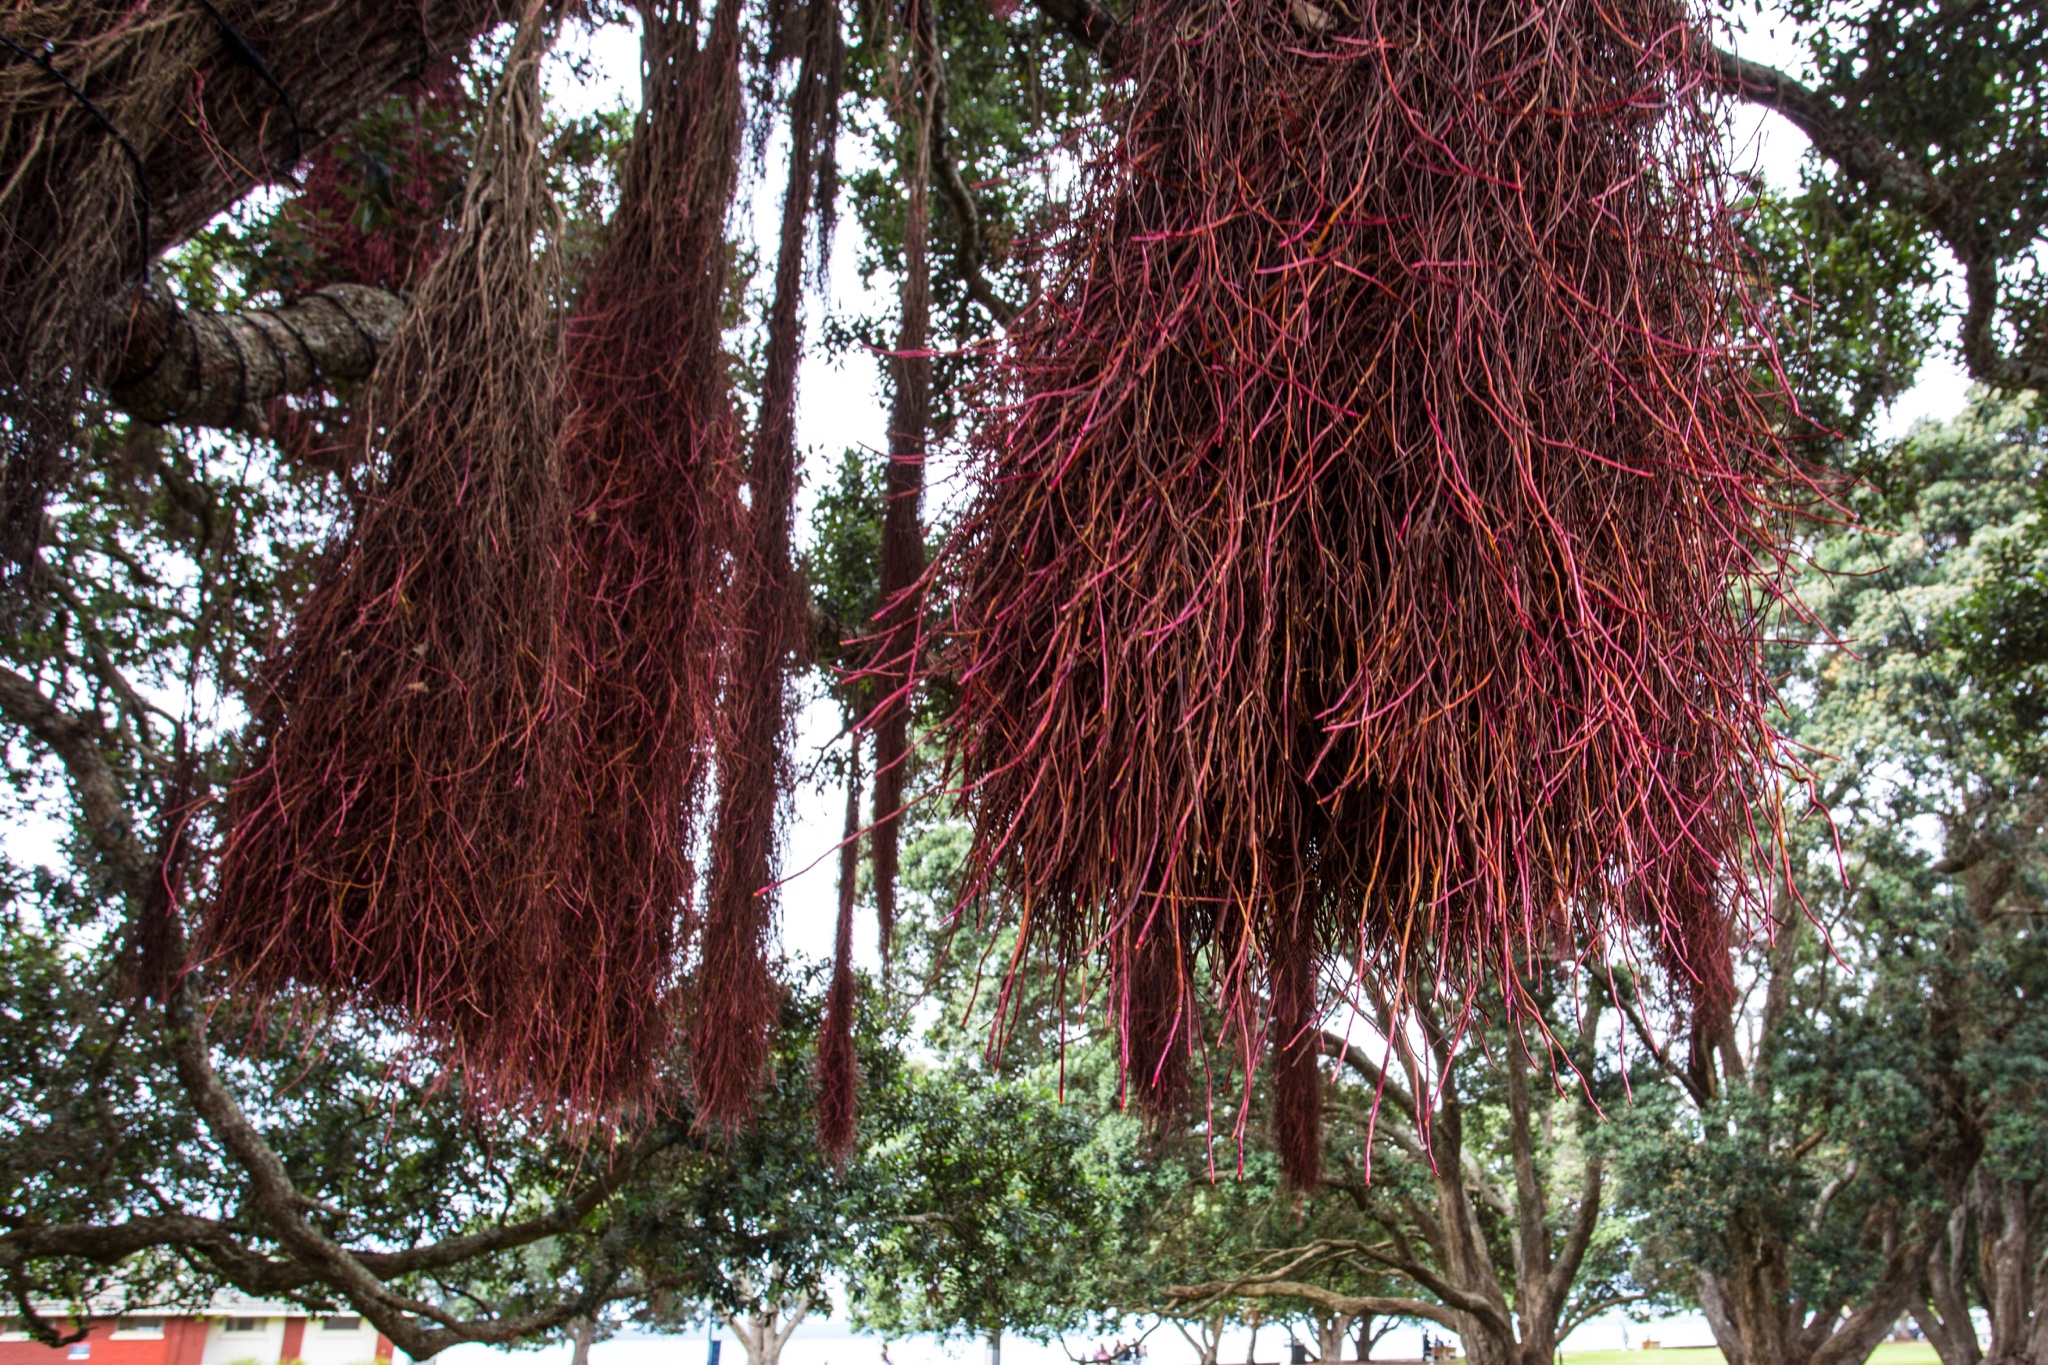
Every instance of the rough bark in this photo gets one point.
(331, 63)
(166, 364)
(125, 129)
(1331, 1329)
(1992, 1243)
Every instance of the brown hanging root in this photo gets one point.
(1381, 514)
(1149, 971)
(903, 488)
(394, 836)
(735, 1002)
(1296, 1047)
(838, 1073)
(649, 455)
(126, 128)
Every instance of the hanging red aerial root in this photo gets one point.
(838, 1068)
(1371, 549)
(910, 413)
(651, 459)
(393, 835)
(734, 1007)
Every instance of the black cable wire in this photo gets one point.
(42, 59)
(254, 61)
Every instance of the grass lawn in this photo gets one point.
(1891, 1353)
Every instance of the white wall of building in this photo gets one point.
(262, 1346)
(332, 1341)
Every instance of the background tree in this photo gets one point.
(1853, 1120)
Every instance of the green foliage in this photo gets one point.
(752, 1220)
(1958, 93)
(1000, 1204)
(844, 563)
(1856, 286)
(1898, 1047)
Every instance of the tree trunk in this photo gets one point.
(763, 1334)
(1714, 1304)
(1992, 1243)
(1774, 1328)
(1207, 1338)
(1331, 1329)
(586, 1332)
(2009, 1221)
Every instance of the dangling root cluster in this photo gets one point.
(483, 755)
(1370, 553)
(395, 833)
(651, 450)
(735, 999)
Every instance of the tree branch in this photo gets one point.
(395, 1315)
(1837, 135)
(76, 743)
(165, 364)
(1896, 1289)
(1573, 1254)
(1355, 1057)
(967, 247)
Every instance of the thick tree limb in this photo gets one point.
(397, 1316)
(1295, 1259)
(166, 364)
(1983, 357)
(1565, 1272)
(1960, 221)
(75, 742)
(315, 1261)
(1840, 137)
(1896, 1290)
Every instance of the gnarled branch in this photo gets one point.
(163, 363)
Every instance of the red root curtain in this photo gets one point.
(1370, 552)
(651, 452)
(394, 835)
(736, 995)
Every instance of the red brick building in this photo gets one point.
(229, 1332)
